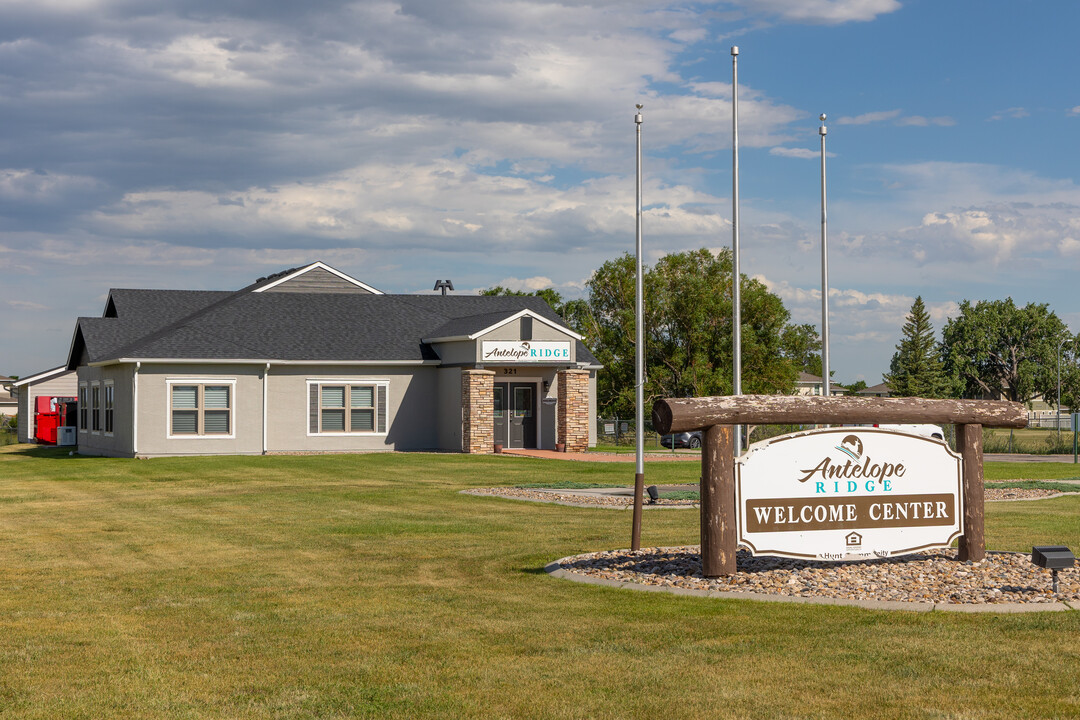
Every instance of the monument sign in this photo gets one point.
(848, 494)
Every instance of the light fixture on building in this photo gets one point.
(443, 285)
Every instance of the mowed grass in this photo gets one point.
(368, 586)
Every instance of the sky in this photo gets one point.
(200, 144)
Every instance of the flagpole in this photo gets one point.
(825, 378)
(736, 302)
(639, 363)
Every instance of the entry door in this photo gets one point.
(500, 394)
(522, 415)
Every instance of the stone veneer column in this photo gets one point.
(573, 429)
(477, 411)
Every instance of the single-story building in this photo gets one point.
(807, 384)
(9, 404)
(879, 390)
(312, 360)
(57, 382)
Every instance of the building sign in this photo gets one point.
(848, 494)
(524, 351)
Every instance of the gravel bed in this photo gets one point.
(570, 497)
(928, 577)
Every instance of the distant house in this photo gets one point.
(879, 390)
(9, 404)
(312, 360)
(57, 382)
(808, 384)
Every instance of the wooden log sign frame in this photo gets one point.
(717, 416)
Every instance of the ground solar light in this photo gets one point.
(1053, 558)
(654, 494)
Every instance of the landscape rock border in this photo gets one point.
(584, 568)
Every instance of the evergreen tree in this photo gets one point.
(917, 369)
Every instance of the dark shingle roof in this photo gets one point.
(290, 326)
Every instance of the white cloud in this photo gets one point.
(1015, 113)
(804, 153)
(30, 186)
(1074, 111)
(920, 121)
(825, 12)
(870, 117)
(897, 118)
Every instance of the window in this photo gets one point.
(95, 407)
(83, 408)
(109, 401)
(347, 408)
(199, 409)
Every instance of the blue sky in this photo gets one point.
(200, 144)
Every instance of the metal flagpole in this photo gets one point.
(639, 362)
(825, 380)
(736, 303)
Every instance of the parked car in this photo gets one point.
(685, 439)
(926, 430)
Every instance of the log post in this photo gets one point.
(972, 545)
(718, 539)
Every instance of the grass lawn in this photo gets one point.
(367, 586)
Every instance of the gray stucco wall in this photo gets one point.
(449, 402)
(154, 410)
(118, 443)
(412, 418)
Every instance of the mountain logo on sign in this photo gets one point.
(851, 446)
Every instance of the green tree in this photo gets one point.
(917, 369)
(688, 330)
(802, 345)
(996, 349)
(855, 386)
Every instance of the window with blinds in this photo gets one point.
(201, 409)
(339, 408)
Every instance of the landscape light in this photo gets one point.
(654, 494)
(1053, 558)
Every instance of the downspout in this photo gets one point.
(135, 411)
(266, 395)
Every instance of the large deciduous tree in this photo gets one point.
(997, 349)
(917, 369)
(688, 322)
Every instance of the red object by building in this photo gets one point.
(48, 416)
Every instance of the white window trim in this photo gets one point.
(83, 399)
(231, 382)
(109, 385)
(96, 417)
(349, 381)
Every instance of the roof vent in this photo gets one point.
(443, 285)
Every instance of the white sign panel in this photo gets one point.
(848, 494)
(524, 351)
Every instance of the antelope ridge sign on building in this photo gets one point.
(848, 494)
(523, 351)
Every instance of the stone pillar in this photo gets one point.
(573, 417)
(477, 411)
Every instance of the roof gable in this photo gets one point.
(317, 277)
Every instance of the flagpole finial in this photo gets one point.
(637, 118)
(734, 50)
(822, 129)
